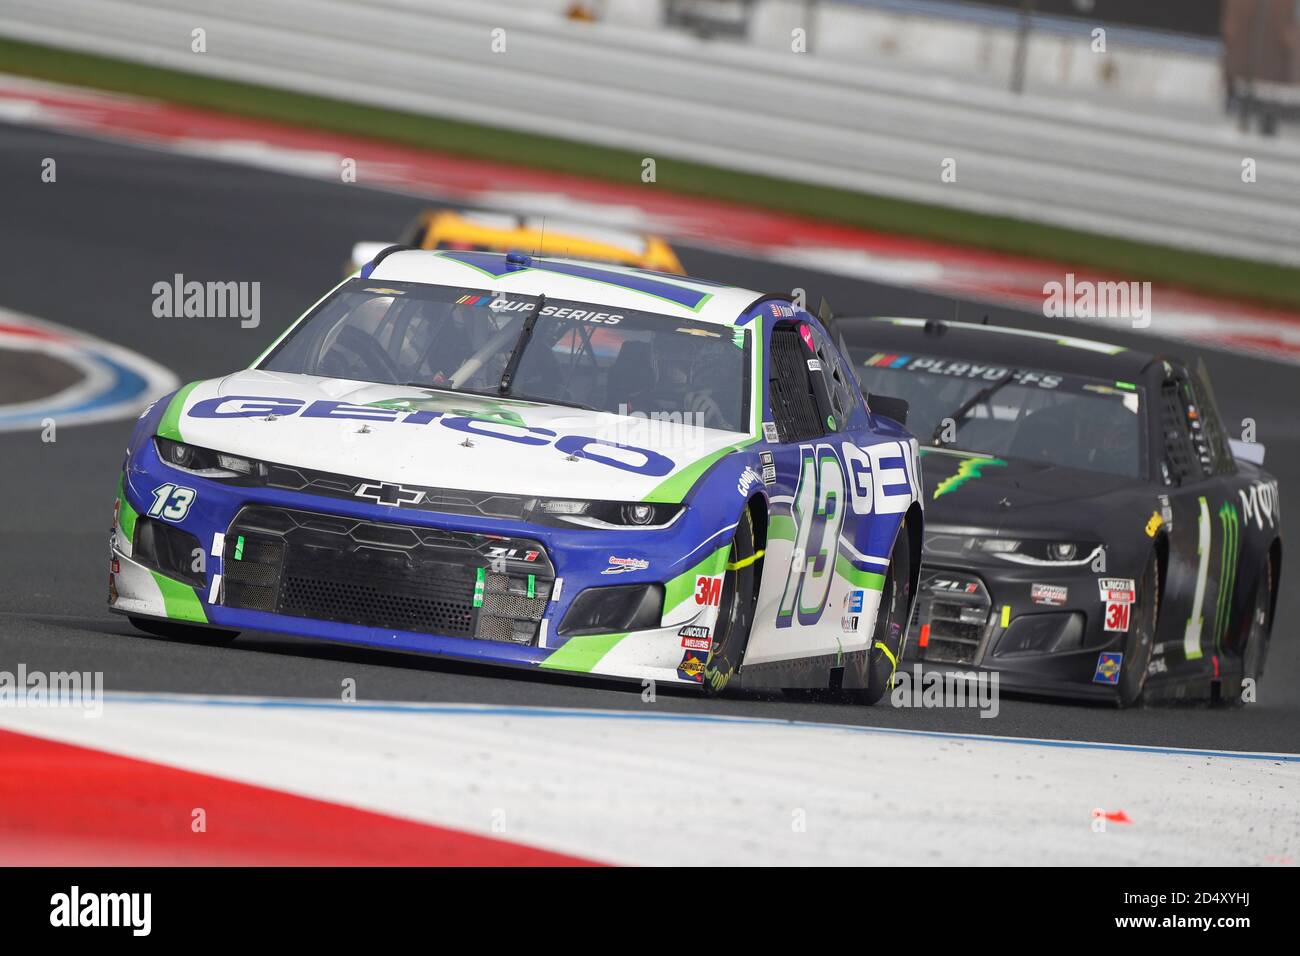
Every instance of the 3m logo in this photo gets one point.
(708, 591)
(1117, 616)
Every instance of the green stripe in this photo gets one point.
(683, 586)
(181, 600)
(859, 579)
(780, 528)
(674, 489)
(126, 515)
(170, 426)
(582, 653)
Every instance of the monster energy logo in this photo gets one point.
(1231, 527)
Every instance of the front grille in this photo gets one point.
(389, 576)
(955, 606)
(444, 500)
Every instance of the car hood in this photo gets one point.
(423, 436)
(1001, 493)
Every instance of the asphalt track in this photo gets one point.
(85, 252)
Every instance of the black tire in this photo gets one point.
(735, 611)
(188, 633)
(1254, 654)
(1141, 639)
(891, 621)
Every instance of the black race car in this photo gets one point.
(1091, 530)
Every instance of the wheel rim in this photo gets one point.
(1256, 640)
(885, 647)
(1144, 632)
(730, 601)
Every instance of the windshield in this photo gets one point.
(1064, 420)
(481, 342)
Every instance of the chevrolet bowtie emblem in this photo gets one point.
(386, 494)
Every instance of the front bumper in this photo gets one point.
(1040, 629)
(469, 587)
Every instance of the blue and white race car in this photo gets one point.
(536, 462)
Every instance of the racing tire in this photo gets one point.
(735, 611)
(891, 622)
(1140, 643)
(187, 633)
(1254, 654)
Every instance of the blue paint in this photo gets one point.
(499, 266)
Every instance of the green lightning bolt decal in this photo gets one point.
(968, 470)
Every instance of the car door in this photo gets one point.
(1204, 526)
(816, 597)
(1247, 519)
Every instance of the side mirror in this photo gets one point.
(890, 407)
(1250, 451)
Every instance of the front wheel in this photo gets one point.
(891, 621)
(735, 611)
(1255, 653)
(1141, 637)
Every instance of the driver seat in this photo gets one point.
(629, 374)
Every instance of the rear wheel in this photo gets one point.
(891, 621)
(1141, 636)
(736, 610)
(188, 633)
(1254, 655)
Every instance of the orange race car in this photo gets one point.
(480, 231)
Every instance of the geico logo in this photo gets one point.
(880, 476)
(640, 461)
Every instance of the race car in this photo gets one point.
(1093, 532)
(541, 463)
(472, 230)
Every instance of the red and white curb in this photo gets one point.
(914, 263)
(329, 782)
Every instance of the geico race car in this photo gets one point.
(474, 230)
(1092, 530)
(535, 462)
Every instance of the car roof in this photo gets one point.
(996, 344)
(540, 229)
(597, 283)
